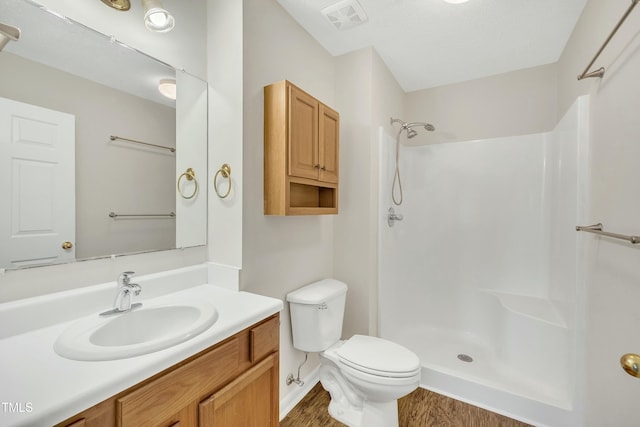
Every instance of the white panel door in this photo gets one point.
(37, 185)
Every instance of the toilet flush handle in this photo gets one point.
(323, 306)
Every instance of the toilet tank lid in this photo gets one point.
(317, 292)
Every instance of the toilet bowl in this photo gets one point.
(364, 375)
(375, 373)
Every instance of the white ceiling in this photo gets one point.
(429, 43)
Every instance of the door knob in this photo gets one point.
(67, 245)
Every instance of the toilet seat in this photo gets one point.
(378, 357)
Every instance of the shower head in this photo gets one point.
(426, 126)
(409, 127)
(8, 33)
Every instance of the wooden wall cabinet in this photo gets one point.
(301, 153)
(231, 384)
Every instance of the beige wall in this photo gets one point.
(367, 96)
(611, 292)
(352, 237)
(280, 254)
(515, 103)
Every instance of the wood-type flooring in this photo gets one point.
(422, 408)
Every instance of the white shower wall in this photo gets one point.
(485, 257)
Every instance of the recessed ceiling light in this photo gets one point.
(455, 1)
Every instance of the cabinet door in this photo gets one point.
(303, 135)
(169, 398)
(329, 134)
(249, 401)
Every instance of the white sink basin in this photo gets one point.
(141, 331)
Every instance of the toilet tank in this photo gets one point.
(317, 311)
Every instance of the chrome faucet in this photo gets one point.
(122, 302)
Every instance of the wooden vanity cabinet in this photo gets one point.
(231, 384)
(301, 152)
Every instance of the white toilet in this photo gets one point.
(364, 375)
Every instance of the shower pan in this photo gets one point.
(480, 277)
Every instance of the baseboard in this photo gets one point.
(294, 397)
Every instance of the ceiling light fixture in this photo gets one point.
(455, 1)
(122, 5)
(156, 17)
(167, 87)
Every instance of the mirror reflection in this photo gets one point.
(90, 150)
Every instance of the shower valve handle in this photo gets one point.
(392, 217)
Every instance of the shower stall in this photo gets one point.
(481, 274)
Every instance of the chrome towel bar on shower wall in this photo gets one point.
(597, 229)
(600, 71)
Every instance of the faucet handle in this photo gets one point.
(136, 289)
(125, 278)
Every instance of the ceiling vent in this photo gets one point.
(345, 14)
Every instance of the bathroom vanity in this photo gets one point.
(214, 387)
(206, 379)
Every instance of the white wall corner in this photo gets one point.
(291, 399)
(224, 276)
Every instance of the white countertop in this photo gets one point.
(40, 388)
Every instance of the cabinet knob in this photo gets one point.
(67, 245)
(323, 168)
(317, 166)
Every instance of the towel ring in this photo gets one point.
(190, 174)
(225, 171)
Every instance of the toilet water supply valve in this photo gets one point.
(291, 379)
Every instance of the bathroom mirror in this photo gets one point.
(90, 152)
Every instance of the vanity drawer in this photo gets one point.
(265, 338)
(161, 398)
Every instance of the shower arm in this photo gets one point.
(10, 31)
(406, 126)
(7, 34)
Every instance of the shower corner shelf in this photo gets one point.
(301, 146)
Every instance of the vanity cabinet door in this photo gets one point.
(79, 423)
(251, 400)
(165, 400)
